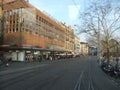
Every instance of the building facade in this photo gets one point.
(69, 38)
(77, 46)
(29, 26)
(92, 50)
(26, 27)
(84, 48)
(1, 21)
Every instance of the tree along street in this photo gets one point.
(70, 74)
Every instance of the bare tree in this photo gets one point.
(101, 21)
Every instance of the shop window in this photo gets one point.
(16, 29)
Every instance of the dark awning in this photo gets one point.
(27, 48)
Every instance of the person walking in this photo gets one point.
(5, 60)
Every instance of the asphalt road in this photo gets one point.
(71, 74)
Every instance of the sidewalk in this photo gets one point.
(20, 65)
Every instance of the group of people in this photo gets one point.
(30, 57)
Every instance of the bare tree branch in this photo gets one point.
(101, 21)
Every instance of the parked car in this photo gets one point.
(108, 68)
(117, 71)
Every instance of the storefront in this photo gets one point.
(28, 53)
(23, 53)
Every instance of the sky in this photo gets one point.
(66, 11)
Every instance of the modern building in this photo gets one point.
(28, 31)
(25, 25)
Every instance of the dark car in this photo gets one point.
(108, 68)
(117, 71)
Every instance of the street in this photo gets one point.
(81, 73)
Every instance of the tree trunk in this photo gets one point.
(108, 55)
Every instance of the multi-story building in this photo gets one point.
(77, 45)
(84, 48)
(8, 1)
(92, 50)
(113, 50)
(69, 38)
(1, 20)
(26, 27)
(25, 24)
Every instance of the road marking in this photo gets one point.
(90, 87)
(78, 84)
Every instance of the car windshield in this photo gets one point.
(59, 45)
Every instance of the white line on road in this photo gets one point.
(90, 85)
(78, 84)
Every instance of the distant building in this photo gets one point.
(69, 38)
(92, 50)
(77, 46)
(114, 48)
(84, 48)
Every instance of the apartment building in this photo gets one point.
(77, 45)
(69, 38)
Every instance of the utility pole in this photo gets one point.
(1, 22)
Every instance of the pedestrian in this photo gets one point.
(50, 57)
(7, 63)
(31, 57)
(40, 58)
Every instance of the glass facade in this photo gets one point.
(27, 20)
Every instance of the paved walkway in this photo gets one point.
(18, 65)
